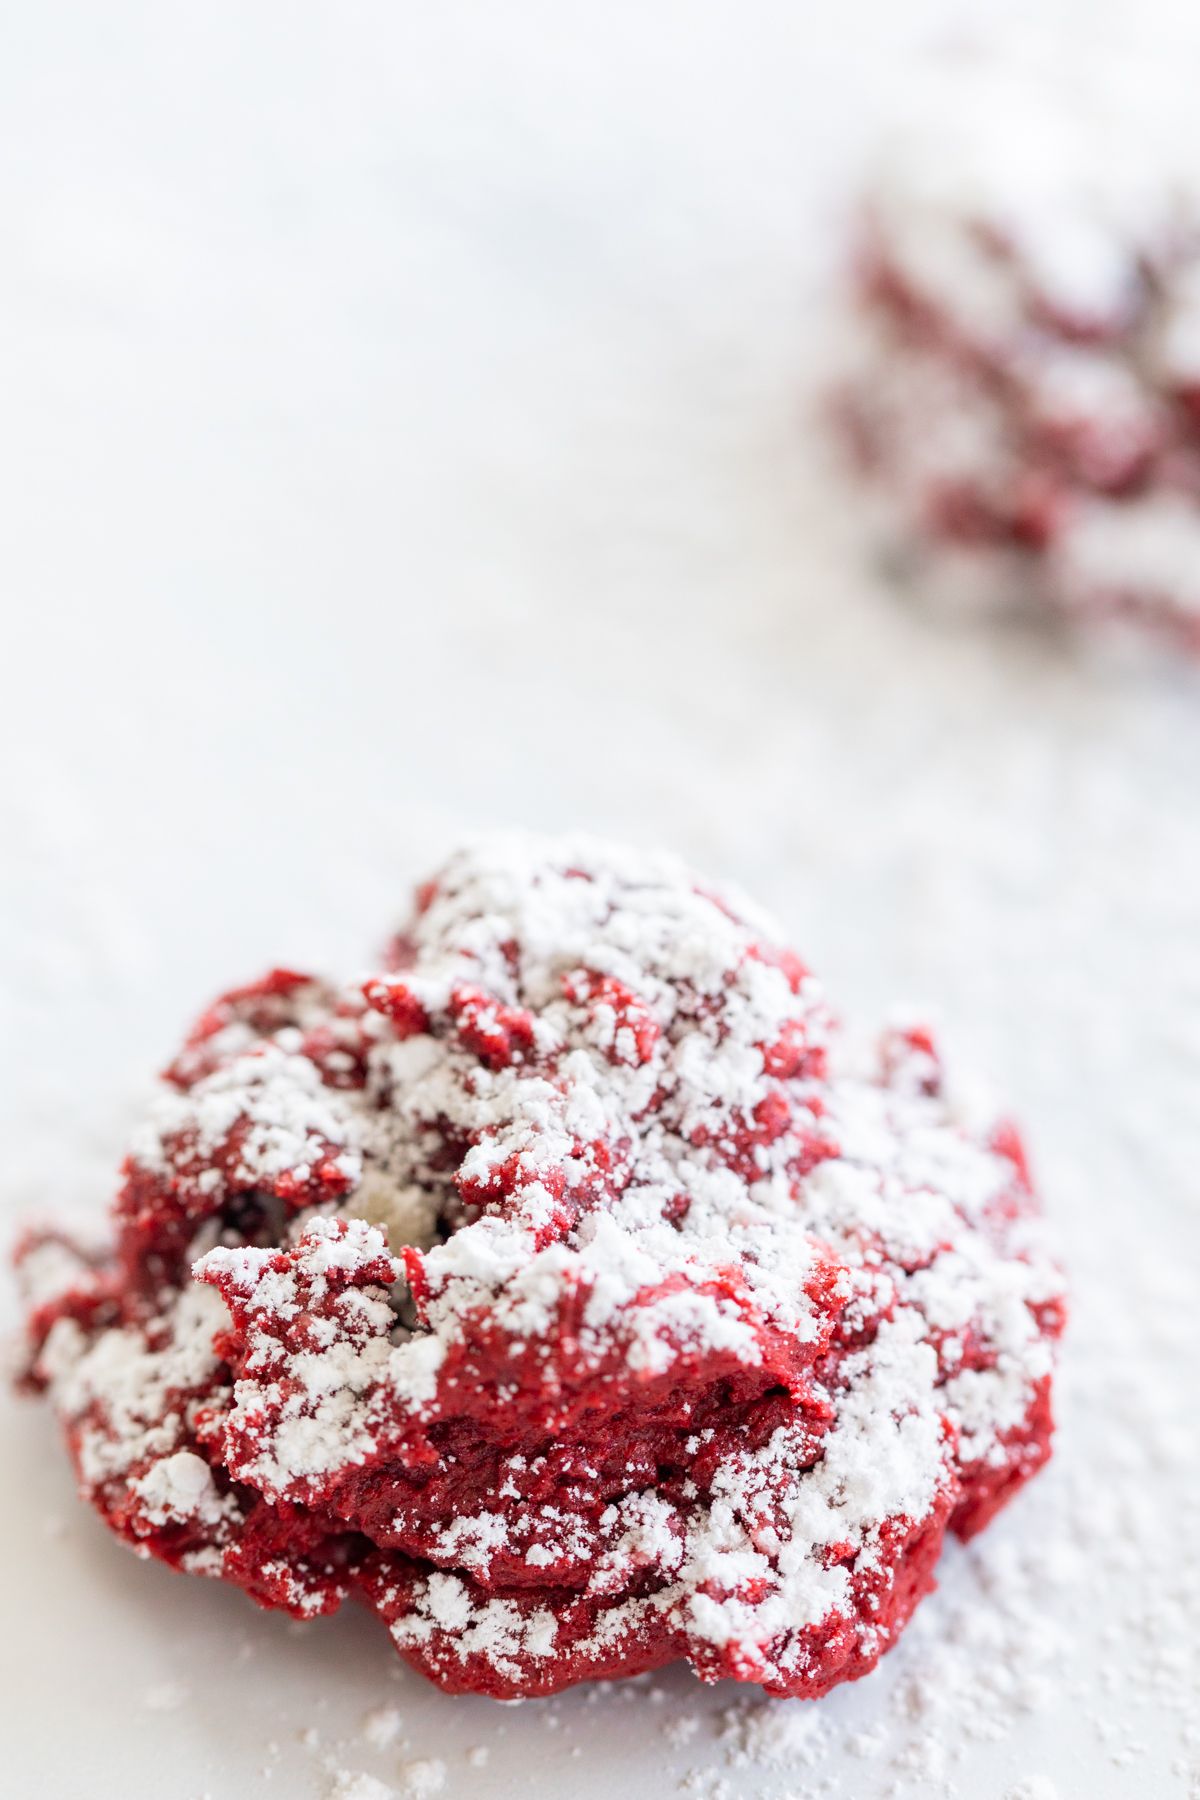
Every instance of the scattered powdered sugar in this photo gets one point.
(360, 1787)
(382, 1727)
(423, 1778)
(787, 1734)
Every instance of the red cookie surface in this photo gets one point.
(569, 1291)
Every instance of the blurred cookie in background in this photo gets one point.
(1020, 382)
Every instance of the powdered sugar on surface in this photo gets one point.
(349, 1786)
(565, 502)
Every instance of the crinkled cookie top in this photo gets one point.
(566, 1290)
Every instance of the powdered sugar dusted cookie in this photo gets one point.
(1023, 376)
(567, 1290)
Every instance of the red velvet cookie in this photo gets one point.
(1023, 376)
(568, 1291)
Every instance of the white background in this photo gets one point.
(405, 428)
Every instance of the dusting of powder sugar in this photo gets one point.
(997, 1646)
(347, 1786)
